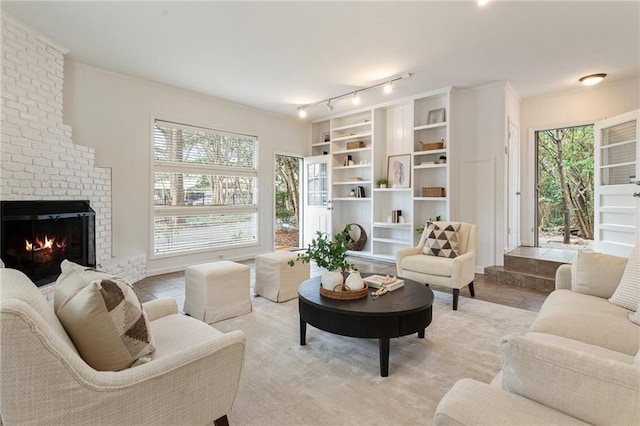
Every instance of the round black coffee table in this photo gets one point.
(400, 312)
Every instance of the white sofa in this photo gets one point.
(192, 379)
(578, 364)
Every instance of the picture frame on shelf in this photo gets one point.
(399, 170)
(326, 137)
(436, 116)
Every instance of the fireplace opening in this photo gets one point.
(38, 235)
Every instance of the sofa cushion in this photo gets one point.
(441, 240)
(571, 379)
(431, 265)
(588, 319)
(627, 295)
(596, 274)
(104, 319)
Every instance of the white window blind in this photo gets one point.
(205, 188)
(618, 156)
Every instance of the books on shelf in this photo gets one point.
(376, 281)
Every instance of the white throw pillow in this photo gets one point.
(103, 317)
(596, 274)
(627, 295)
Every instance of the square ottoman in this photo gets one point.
(216, 291)
(275, 279)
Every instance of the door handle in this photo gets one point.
(636, 194)
(518, 193)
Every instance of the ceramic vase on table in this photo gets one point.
(354, 281)
(331, 279)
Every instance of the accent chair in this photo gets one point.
(452, 272)
(192, 378)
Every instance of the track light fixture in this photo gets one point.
(590, 80)
(355, 99)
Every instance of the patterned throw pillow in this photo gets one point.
(103, 318)
(627, 295)
(441, 240)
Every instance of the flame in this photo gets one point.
(48, 243)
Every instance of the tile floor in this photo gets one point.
(172, 285)
(556, 255)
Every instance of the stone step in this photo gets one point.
(540, 267)
(523, 279)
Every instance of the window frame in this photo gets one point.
(198, 168)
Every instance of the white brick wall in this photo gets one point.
(38, 160)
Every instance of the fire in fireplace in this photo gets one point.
(38, 235)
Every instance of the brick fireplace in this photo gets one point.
(38, 159)
(36, 236)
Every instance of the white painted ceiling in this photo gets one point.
(276, 56)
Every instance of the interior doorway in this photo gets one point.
(565, 187)
(287, 201)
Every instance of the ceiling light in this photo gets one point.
(355, 100)
(482, 2)
(591, 79)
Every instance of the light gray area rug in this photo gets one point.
(335, 380)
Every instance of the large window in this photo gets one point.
(204, 192)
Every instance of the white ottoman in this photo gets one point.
(275, 279)
(217, 291)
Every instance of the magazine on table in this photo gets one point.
(376, 281)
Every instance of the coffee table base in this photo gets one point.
(384, 344)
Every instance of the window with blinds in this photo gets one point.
(618, 145)
(205, 188)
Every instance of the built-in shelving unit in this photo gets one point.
(358, 144)
(430, 167)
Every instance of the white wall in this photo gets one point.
(39, 160)
(478, 167)
(584, 105)
(113, 113)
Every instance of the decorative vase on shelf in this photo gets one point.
(383, 185)
(331, 279)
(354, 281)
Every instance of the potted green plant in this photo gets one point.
(330, 255)
(382, 182)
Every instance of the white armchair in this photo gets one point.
(454, 273)
(192, 379)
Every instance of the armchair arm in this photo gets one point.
(208, 376)
(470, 402)
(563, 277)
(463, 270)
(573, 377)
(160, 308)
